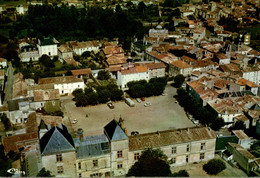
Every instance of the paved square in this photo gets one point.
(164, 114)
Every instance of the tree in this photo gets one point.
(77, 92)
(46, 61)
(44, 173)
(152, 162)
(103, 75)
(181, 173)
(5, 120)
(239, 125)
(81, 100)
(92, 98)
(178, 80)
(116, 94)
(103, 96)
(214, 166)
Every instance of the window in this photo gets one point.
(107, 174)
(188, 148)
(94, 175)
(173, 160)
(119, 154)
(79, 165)
(187, 159)
(95, 163)
(202, 146)
(137, 155)
(80, 175)
(119, 165)
(174, 150)
(60, 169)
(59, 158)
(202, 155)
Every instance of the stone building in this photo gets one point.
(113, 153)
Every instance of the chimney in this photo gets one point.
(80, 134)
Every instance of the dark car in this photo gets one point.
(110, 105)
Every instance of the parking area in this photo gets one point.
(163, 114)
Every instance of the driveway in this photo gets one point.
(163, 114)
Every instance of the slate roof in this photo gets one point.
(221, 142)
(255, 107)
(91, 146)
(56, 140)
(114, 131)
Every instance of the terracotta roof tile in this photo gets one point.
(169, 137)
(81, 71)
(180, 64)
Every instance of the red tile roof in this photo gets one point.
(81, 71)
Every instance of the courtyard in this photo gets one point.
(163, 114)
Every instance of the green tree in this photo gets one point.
(46, 61)
(103, 75)
(181, 173)
(92, 98)
(5, 120)
(103, 96)
(116, 94)
(178, 80)
(151, 163)
(239, 125)
(81, 100)
(44, 173)
(77, 92)
(214, 166)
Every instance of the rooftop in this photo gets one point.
(59, 80)
(169, 137)
(180, 64)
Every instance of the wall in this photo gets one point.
(88, 169)
(116, 146)
(50, 50)
(68, 88)
(68, 163)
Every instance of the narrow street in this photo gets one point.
(8, 90)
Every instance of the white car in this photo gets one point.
(147, 104)
(74, 121)
(138, 100)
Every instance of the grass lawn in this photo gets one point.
(196, 170)
(58, 65)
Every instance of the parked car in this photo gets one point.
(147, 104)
(134, 133)
(110, 105)
(74, 121)
(143, 98)
(138, 100)
(129, 102)
(164, 94)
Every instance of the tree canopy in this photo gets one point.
(214, 166)
(142, 88)
(204, 115)
(152, 162)
(44, 173)
(70, 23)
(178, 80)
(181, 173)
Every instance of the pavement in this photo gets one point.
(9, 84)
(163, 114)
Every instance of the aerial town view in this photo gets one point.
(115, 88)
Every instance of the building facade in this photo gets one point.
(113, 153)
